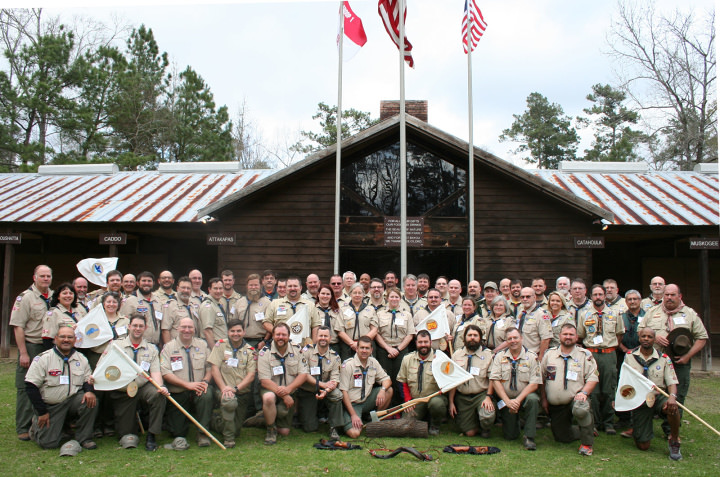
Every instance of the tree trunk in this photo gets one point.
(397, 428)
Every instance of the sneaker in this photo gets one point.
(628, 433)
(229, 444)
(178, 444)
(203, 441)
(334, 436)
(150, 444)
(434, 431)
(529, 443)
(674, 450)
(610, 431)
(585, 450)
(271, 436)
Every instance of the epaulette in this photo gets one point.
(332, 351)
(219, 342)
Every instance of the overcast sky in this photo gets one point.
(280, 56)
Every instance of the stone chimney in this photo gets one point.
(417, 108)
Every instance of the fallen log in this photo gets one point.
(397, 428)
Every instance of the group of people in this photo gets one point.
(530, 353)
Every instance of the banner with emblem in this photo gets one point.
(633, 389)
(299, 325)
(447, 373)
(115, 370)
(95, 269)
(436, 324)
(93, 329)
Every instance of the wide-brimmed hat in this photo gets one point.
(680, 341)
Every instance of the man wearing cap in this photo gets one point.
(471, 403)
(282, 370)
(657, 290)
(57, 384)
(658, 368)
(569, 376)
(359, 380)
(26, 318)
(515, 377)
(234, 363)
(601, 330)
(187, 373)
(680, 331)
(125, 401)
(490, 291)
(417, 380)
(534, 323)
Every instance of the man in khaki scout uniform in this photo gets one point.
(515, 376)
(657, 291)
(184, 367)
(471, 403)
(601, 330)
(282, 370)
(125, 401)
(658, 368)
(359, 380)
(250, 310)
(26, 318)
(174, 311)
(282, 309)
(165, 291)
(417, 380)
(570, 375)
(197, 280)
(534, 323)
(57, 385)
(212, 314)
(233, 370)
(147, 304)
(434, 300)
(322, 385)
(230, 296)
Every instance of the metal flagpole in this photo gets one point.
(338, 140)
(471, 147)
(403, 148)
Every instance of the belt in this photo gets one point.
(602, 350)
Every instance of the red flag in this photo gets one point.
(354, 34)
(389, 11)
(477, 25)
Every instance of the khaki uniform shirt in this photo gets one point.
(685, 317)
(495, 335)
(234, 364)
(576, 310)
(395, 332)
(458, 332)
(119, 329)
(163, 297)
(535, 327)
(334, 321)
(147, 357)
(479, 368)
(152, 310)
(423, 313)
(56, 380)
(356, 323)
(270, 365)
(618, 305)
(230, 303)
(660, 371)
(581, 369)
(454, 308)
(527, 370)
(589, 323)
(413, 305)
(409, 374)
(198, 297)
(252, 314)
(649, 302)
(173, 311)
(557, 323)
(351, 378)
(58, 316)
(28, 312)
(281, 310)
(174, 360)
(330, 366)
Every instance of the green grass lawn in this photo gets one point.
(295, 454)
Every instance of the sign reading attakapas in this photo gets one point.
(221, 239)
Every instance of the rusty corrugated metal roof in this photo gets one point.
(120, 197)
(653, 198)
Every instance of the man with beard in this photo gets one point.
(212, 314)
(81, 288)
(516, 287)
(269, 280)
(539, 287)
(322, 385)
(251, 313)
(147, 304)
(390, 280)
(562, 286)
(365, 281)
(233, 371)
(196, 279)
(471, 403)
(658, 368)
(312, 286)
(377, 295)
(613, 298)
(434, 300)
(423, 284)
(657, 290)
(570, 375)
(282, 370)
(165, 291)
(182, 307)
(601, 331)
(230, 296)
(418, 381)
(515, 376)
(282, 309)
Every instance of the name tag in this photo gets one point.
(277, 370)
(500, 326)
(399, 322)
(501, 404)
(572, 375)
(679, 320)
(176, 365)
(282, 311)
(145, 366)
(474, 371)
(348, 312)
(64, 379)
(233, 362)
(158, 315)
(555, 322)
(314, 370)
(121, 330)
(259, 316)
(232, 310)
(597, 340)
(358, 382)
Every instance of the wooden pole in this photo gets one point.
(338, 145)
(706, 352)
(689, 411)
(8, 270)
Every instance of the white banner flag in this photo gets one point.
(299, 325)
(633, 388)
(114, 370)
(95, 269)
(447, 373)
(436, 323)
(93, 329)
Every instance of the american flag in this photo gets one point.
(477, 25)
(389, 11)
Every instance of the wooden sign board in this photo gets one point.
(589, 242)
(113, 239)
(704, 243)
(221, 239)
(415, 231)
(10, 237)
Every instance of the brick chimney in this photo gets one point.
(417, 108)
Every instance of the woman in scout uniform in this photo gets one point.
(500, 320)
(328, 310)
(356, 319)
(64, 308)
(558, 316)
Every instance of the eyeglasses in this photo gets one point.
(526, 296)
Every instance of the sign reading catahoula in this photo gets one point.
(589, 242)
(221, 239)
